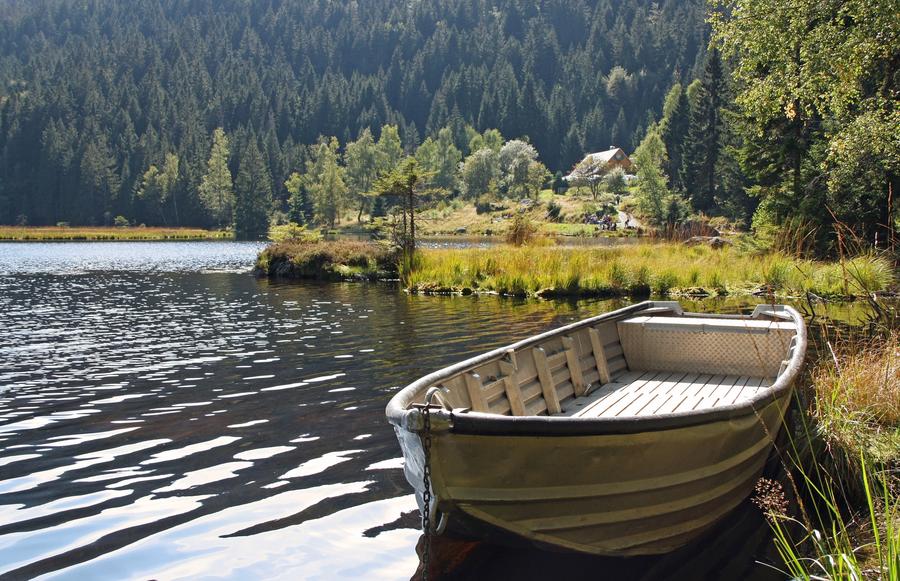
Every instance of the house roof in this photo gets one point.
(602, 158)
(606, 156)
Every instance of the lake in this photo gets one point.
(164, 414)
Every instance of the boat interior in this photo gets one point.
(658, 361)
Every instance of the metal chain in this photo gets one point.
(426, 495)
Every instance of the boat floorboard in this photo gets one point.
(643, 393)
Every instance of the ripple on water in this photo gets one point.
(159, 423)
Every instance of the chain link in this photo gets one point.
(426, 495)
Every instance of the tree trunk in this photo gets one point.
(412, 222)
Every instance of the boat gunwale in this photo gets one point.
(481, 423)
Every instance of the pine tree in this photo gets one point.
(703, 145)
(673, 130)
(216, 188)
(298, 202)
(253, 195)
(619, 133)
(99, 179)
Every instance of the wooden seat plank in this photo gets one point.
(476, 393)
(599, 355)
(547, 385)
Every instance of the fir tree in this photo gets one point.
(673, 130)
(216, 188)
(703, 145)
(298, 202)
(253, 195)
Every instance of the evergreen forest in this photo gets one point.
(111, 108)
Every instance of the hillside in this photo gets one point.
(95, 92)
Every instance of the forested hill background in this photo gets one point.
(94, 92)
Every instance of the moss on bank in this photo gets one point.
(342, 260)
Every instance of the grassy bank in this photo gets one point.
(552, 214)
(857, 399)
(843, 517)
(339, 260)
(664, 268)
(63, 233)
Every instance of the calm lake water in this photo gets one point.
(166, 415)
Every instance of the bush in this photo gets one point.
(521, 230)
(293, 232)
(554, 211)
(121, 222)
(482, 205)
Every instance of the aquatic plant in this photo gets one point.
(829, 543)
(856, 400)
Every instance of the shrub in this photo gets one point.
(521, 230)
(293, 232)
(554, 211)
(664, 282)
(121, 222)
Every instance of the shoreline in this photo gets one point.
(641, 270)
(109, 234)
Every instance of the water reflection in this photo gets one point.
(170, 424)
(166, 424)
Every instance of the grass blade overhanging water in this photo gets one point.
(843, 467)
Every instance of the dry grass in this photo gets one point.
(640, 269)
(74, 233)
(857, 397)
(453, 218)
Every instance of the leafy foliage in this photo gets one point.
(817, 90)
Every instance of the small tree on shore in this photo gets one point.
(615, 182)
(324, 180)
(402, 183)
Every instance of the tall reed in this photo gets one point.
(845, 521)
(665, 268)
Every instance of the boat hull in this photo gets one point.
(639, 493)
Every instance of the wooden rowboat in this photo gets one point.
(628, 433)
